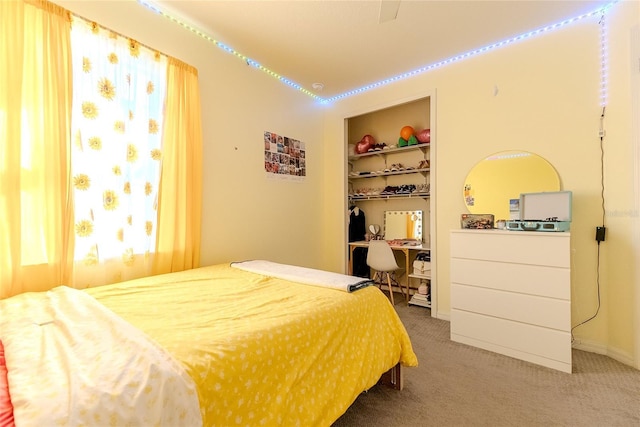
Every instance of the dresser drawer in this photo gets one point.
(527, 342)
(538, 311)
(552, 282)
(521, 247)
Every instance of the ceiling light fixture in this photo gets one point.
(388, 10)
(600, 11)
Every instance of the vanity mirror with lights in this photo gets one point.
(395, 185)
(405, 225)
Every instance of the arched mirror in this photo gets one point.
(496, 180)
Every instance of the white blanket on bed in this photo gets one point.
(304, 275)
(73, 362)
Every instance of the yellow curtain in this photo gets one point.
(36, 216)
(180, 196)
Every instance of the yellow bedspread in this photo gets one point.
(265, 351)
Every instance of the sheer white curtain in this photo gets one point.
(119, 91)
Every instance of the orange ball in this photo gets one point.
(406, 132)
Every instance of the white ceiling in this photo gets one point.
(343, 44)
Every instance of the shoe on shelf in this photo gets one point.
(424, 164)
(387, 191)
(422, 189)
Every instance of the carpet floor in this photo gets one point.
(460, 385)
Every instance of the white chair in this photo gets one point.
(380, 258)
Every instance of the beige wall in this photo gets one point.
(547, 103)
(245, 214)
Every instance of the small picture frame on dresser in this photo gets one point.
(476, 221)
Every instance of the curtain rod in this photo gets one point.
(45, 4)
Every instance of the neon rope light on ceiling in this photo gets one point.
(600, 11)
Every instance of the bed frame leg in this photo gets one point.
(393, 378)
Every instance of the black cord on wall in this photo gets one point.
(600, 231)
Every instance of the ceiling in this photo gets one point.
(348, 44)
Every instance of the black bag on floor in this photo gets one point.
(360, 267)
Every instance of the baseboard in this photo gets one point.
(599, 348)
(443, 316)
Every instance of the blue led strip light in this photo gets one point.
(604, 60)
(603, 49)
(599, 11)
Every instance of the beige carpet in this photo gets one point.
(459, 385)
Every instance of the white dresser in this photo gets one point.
(511, 294)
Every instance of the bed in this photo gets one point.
(250, 343)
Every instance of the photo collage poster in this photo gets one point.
(283, 156)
